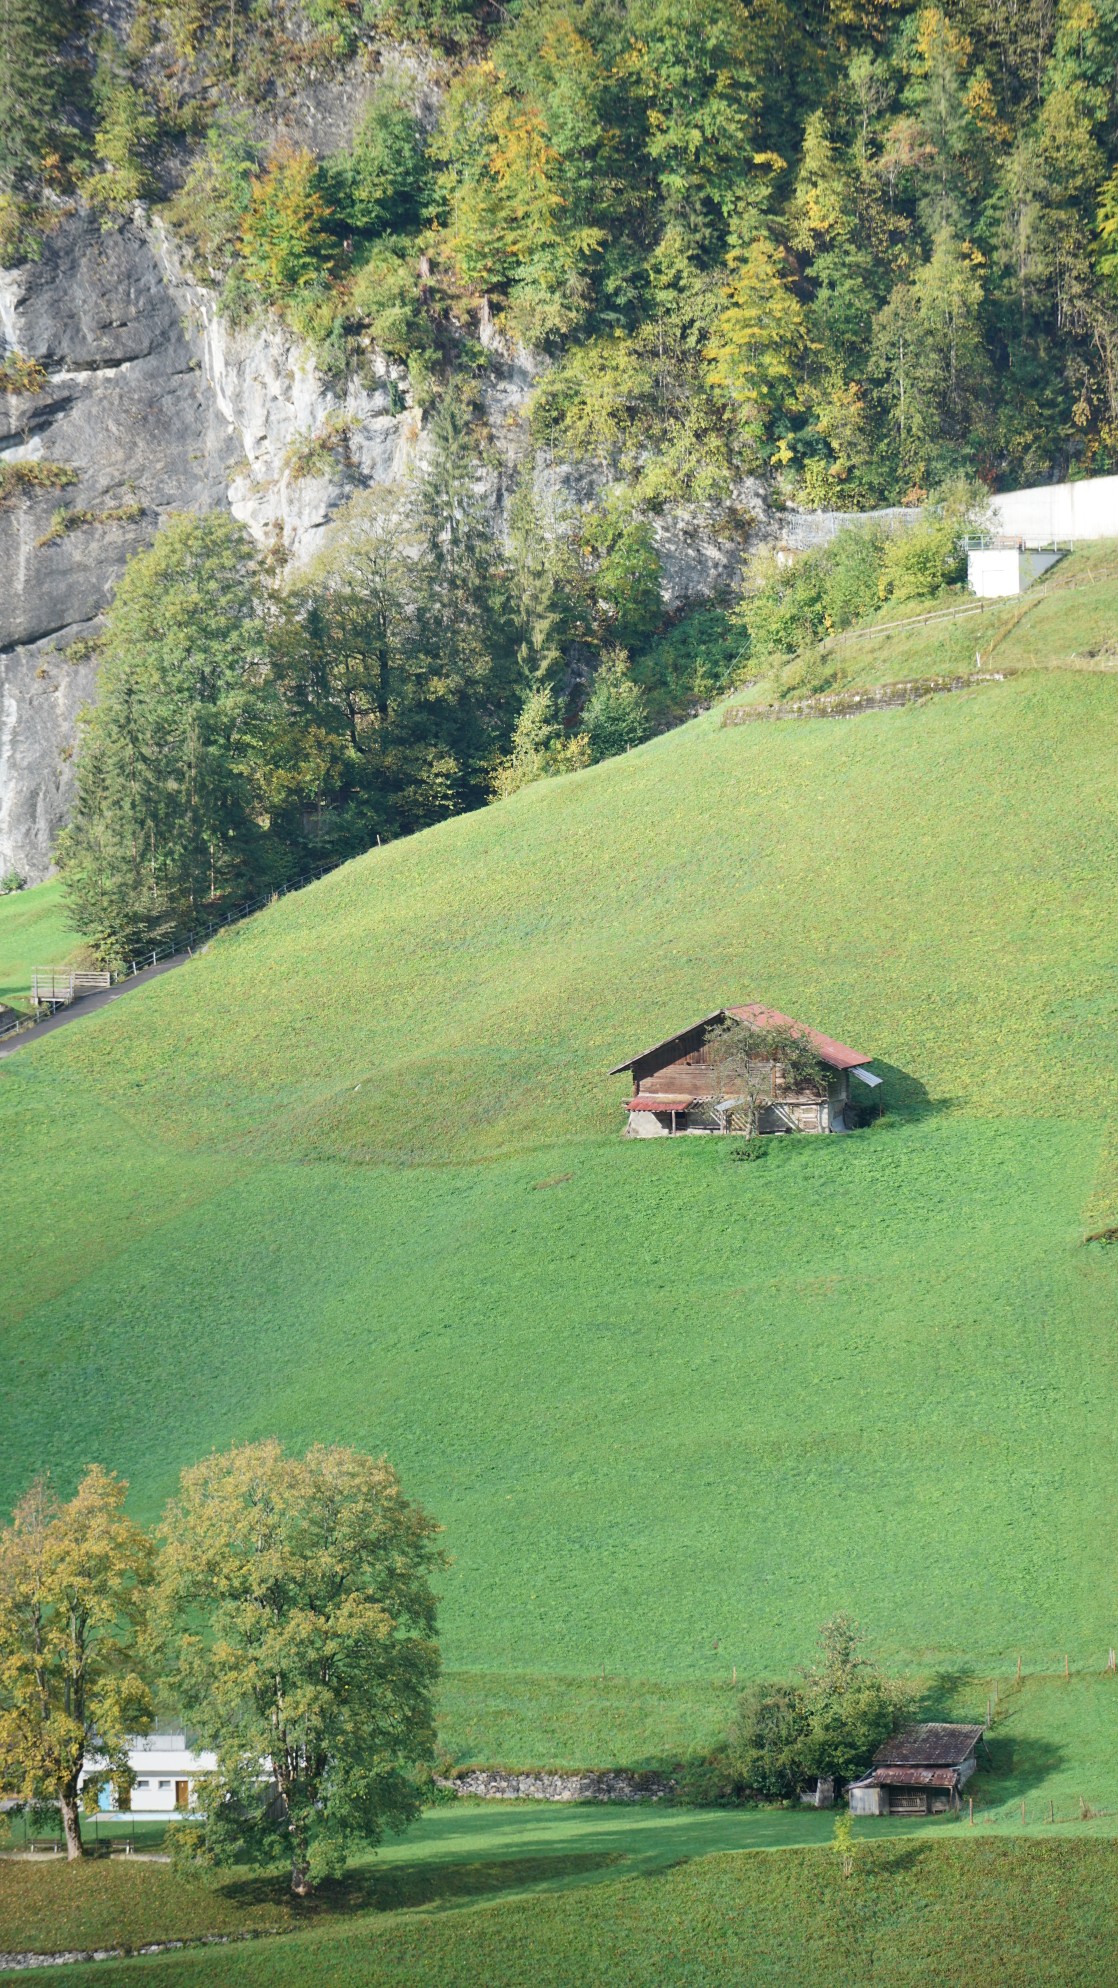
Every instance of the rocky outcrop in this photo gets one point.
(128, 408)
(269, 392)
(158, 404)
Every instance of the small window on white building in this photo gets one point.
(164, 1784)
(143, 1784)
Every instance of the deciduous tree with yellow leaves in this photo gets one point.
(74, 1580)
(297, 1623)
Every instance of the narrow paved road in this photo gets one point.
(91, 1002)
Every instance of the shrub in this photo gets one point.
(918, 561)
(21, 375)
(697, 659)
(615, 716)
(215, 195)
(830, 1721)
(539, 750)
(324, 452)
(622, 573)
(285, 244)
(17, 477)
(124, 138)
(795, 603)
(378, 186)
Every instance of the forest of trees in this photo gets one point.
(863, 246)
(249, 725)
(866, 250)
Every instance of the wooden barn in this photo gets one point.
(920, 1771)
(680, 1085)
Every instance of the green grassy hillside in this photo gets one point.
(355, 1174)
(1042, 1915)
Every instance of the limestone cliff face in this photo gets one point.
(127, 406)
(158, 405)
(158, 408)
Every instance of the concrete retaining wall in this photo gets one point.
(1059, 511)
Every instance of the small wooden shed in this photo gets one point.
(919, 1771)
(673, 1089)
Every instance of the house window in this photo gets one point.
(164, 1784)
(143, 1784)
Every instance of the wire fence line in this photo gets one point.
(189, 941)
(995, 603)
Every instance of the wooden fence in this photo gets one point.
(56, 987)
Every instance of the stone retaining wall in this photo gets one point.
(851, 703)
(611, 1786)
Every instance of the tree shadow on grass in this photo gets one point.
(1012, 1766)
(1012, 1762)
(396, 1887)
(901, 1093)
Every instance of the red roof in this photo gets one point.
(659, 1104)
(755, 1015)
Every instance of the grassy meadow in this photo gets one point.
(1033, 1913)
(34, 931)
(355, 1174)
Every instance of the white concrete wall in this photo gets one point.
(1060, 511)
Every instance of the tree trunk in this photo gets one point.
(71, 1819)
(301, 1883)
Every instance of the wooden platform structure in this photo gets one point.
(55, 987)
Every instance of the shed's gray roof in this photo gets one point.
(928, 1746)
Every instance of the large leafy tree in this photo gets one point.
(931, 363)
(758, 340)
(167, 817)
(298, 1626)
(693, 66)
(286, 245)
(74, 1579)
(527, 172)
(830, 1720)
(360, 746)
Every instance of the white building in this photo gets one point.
(1005, 568)
(165, 1770)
